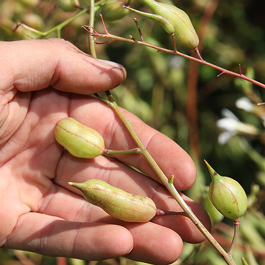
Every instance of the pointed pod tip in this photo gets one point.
(209, 167)
(207, 164)
(73, 184)
(80, 186)
(211, 170)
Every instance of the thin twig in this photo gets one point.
(138, 28)
(57, 28)
(236, 225)
(60, 26)
(221, 69)
(103, 23)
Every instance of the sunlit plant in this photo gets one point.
(223, 192)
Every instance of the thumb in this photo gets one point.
(36, 64)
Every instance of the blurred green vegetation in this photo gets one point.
(159, 90)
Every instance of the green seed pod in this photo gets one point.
(184, 31)
(165, 23)
(112, 10)
(227, 195)
(116, 202)
(80, 140)
(68, 5)
(214, 214)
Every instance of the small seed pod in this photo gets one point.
(184, 31)
(116, 202)
(80, 140)
(68, 5)
(112, 10)
(165, 23)
(227, 195)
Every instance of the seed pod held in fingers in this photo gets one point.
(227, 195)
(80, 140)
(116, 202)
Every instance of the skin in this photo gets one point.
(41, 83)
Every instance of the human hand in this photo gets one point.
(40, 212)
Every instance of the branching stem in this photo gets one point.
(199, 60)
(167, 183)
(58, 28)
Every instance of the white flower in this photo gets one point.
(245, 104)
(225, 136)
(231, 125)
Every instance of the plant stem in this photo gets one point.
(91, 24)
(168, 184)
(236, 225)
(222, 70)
(119, 152)
(57, 28)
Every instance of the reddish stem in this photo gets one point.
(103, 23)
(138, 28)
(221, 69)
(236, 225)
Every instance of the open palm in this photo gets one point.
(39, 211)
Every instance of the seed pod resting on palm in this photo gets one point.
(80, 140)
(227, 195)
(116, 202)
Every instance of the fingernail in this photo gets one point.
(110, 63)
(130, 251)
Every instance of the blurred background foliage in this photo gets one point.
(212, 118)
